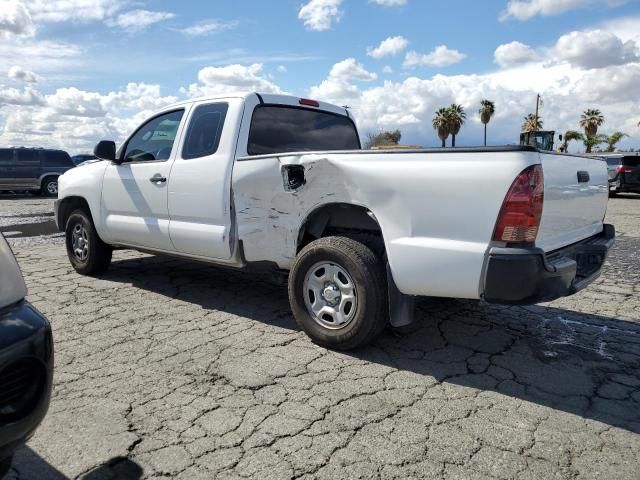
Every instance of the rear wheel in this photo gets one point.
(49, 187)
(87, 253)
(337, 291)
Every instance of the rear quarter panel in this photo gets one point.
(437, 211)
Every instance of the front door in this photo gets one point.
(134, 193)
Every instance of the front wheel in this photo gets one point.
(87, 253)
(337, 291)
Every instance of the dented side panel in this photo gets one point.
(436, 211)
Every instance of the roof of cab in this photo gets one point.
(267, 98)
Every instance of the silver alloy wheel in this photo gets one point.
(330, 295)
(52, 187)
(80, 242)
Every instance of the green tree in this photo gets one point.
(441, 125)
(383, 138)
(457, 116)
(531, 123)
(590, 120)
(569, 136)
(613, 139)
(591, 141)
(487, 110)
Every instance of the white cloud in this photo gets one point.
(231, 78)
(73, 10)
(71, 101)
(566, 90)
(596, 49)
(74, 119)
(319, 15)
(526, 9)
(26, 96)
(514, 53)
(350, 69)
(208, 27)
(138, 20)
(387, 69)
(338, 86)
(282, 69)
(18, 73)
(389, 3)
(441, 56)
(389, 46)
(14, 19)
(43, 56)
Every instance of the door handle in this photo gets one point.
(157, 178)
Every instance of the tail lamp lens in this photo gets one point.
(521, 211)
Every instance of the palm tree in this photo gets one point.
(570, 135)
(590, 120)
(456, 115)
(531, 123)
(441, 124)
(591, 141)
(487, 110)
(614, 138)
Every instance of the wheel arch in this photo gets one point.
(68, 205)
(339, 218)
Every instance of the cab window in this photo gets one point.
(153, 141)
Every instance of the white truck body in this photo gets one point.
(436, 208)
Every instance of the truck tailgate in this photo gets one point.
(575, 199)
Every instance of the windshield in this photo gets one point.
(277, 129)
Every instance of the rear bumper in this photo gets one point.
(523, 276)
(25, 335)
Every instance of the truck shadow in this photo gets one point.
(584, 364)
(28, 465)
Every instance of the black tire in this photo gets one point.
(5, 466)
(369, 279)
(613, 193)
(97, 257)
(49, 187)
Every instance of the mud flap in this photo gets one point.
(401, 306)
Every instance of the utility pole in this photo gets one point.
(537, 108)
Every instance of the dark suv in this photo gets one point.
(624, 173)
(34, 169)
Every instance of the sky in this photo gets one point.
(73, 72)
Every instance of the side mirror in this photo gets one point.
(105, 150)
(560, 137)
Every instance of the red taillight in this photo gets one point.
(521, 210)
(308, 102)
(623, 169)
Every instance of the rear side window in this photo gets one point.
(612, 162)
(277, 129)
(56, 158)
(28, 157)
(6, 157)
(205, 129)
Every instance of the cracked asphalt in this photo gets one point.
(166, 368)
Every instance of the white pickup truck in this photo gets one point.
(280, 181)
